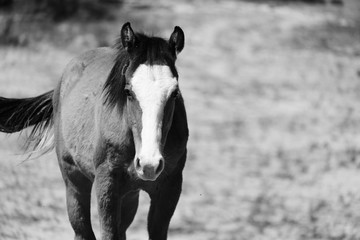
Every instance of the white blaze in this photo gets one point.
(152, 86)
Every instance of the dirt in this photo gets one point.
(272, 94)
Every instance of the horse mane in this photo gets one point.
(150, 50)
(115, 83)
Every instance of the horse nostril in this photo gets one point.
(160, 167)
(137, 163)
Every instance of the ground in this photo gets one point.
(272, 93)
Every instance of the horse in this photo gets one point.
(117, 121)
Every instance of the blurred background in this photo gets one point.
(272, 90)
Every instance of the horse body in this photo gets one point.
(119, 122)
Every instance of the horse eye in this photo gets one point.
(129, 93)
(175, 93)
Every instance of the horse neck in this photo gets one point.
(179, 131)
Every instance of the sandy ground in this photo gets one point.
(272, 93)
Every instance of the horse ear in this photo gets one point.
(128, 38)
(177, 40)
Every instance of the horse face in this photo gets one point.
(151, 87)
(151, 99)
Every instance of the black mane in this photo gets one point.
(150, 51)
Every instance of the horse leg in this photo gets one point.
(107, 192)
(162, 207)
(78, 197)
(78, 205)
(129, 205)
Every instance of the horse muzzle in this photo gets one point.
(149, 170)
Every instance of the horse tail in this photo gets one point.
(17, 114)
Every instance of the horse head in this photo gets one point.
(151, 89)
